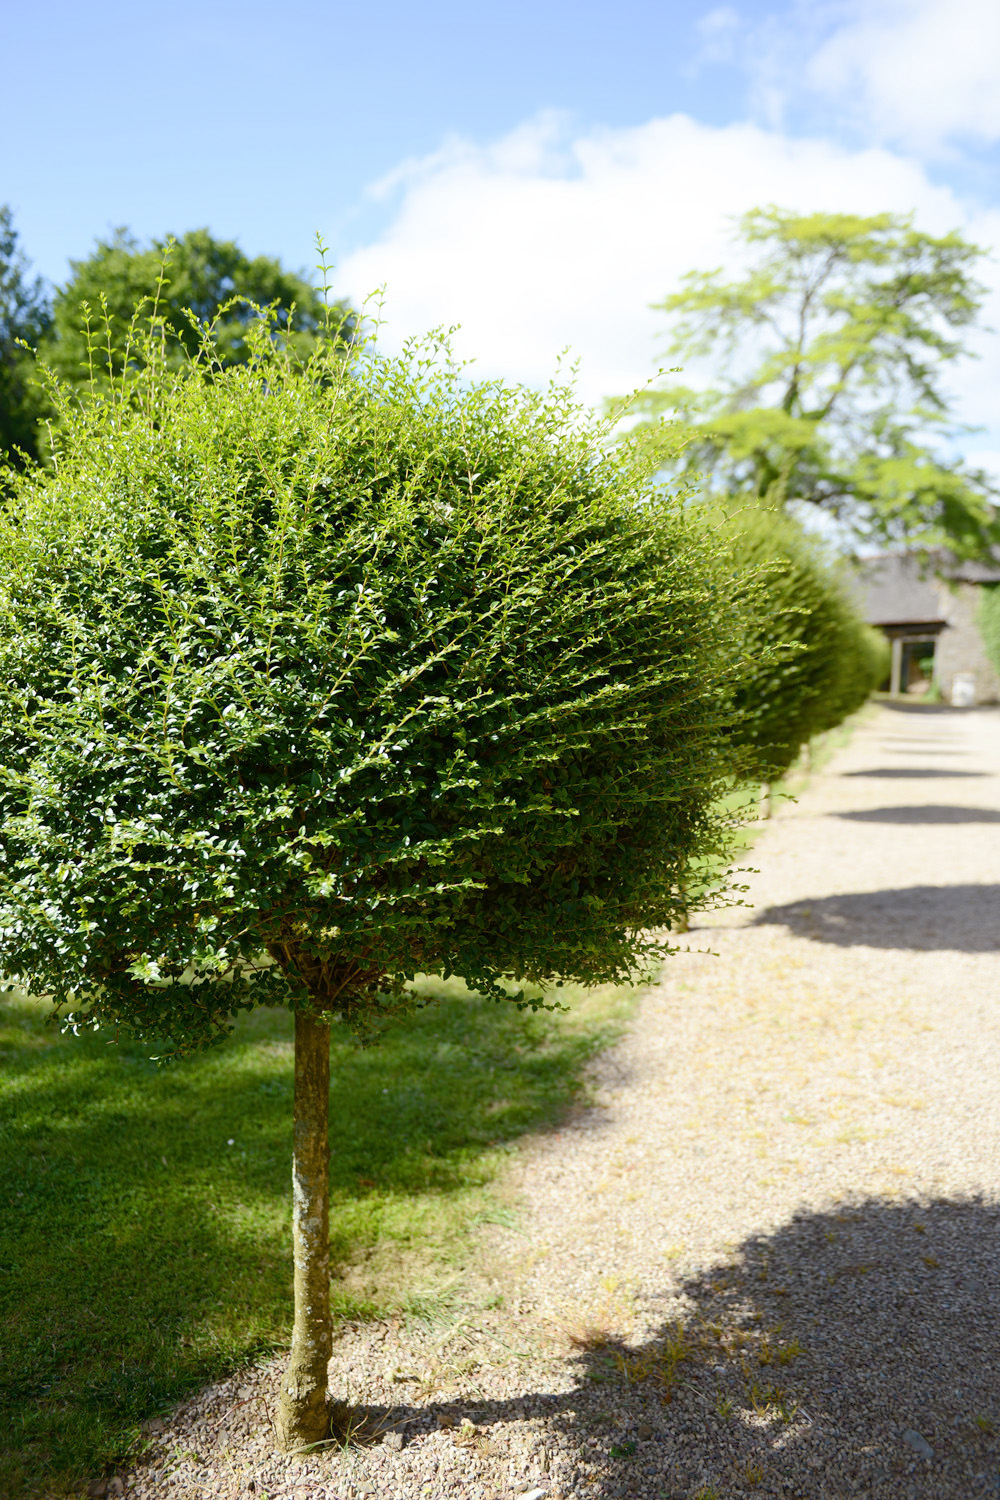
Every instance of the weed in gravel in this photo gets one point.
(772, 1352)
(771, 1403)
(623, 1450)
(590, 1337)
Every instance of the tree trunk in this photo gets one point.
(303, 1413)
(765, 800)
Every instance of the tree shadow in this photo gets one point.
(924, 749)
(922, 918)
(851, 1352)
(828, 1359)
(914, 773)
(926, 813)
(923, 710)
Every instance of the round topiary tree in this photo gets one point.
(864, 664)
(313, 677)
(814, 661)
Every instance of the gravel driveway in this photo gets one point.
(764, 1259)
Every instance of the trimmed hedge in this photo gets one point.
(988, 619)
(815, 661)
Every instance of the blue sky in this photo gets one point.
(538, 171)
(269, 128)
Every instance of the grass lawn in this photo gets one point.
(144, 1233)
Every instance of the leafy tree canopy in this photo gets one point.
(313, 677)
(316, 676)
(193, 279)
(831, 353)
(25, 317)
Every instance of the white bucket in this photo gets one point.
(963, 690)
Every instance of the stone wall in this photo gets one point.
(960, 646)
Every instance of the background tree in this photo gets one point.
(314, 677)
(25, 315)
(200, 275)
(831, 353)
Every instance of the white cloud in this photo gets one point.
(919, 71)
(546, 239)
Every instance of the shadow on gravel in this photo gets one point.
(908, 773)
(852, 1352)
(922, 747)
(923, 918)
(849, 1353)
(928, 813)
(925, 710)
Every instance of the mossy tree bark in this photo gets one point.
(303, 1411)
(682, 923)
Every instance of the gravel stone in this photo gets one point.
(768, 1242)
(919, 1444)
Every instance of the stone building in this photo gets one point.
(927, 608)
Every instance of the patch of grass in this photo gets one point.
(145, 1228)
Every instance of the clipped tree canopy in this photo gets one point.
(314, 676)
(815, 661)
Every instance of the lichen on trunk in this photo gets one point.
(303, 1407)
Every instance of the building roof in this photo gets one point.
(903, 588)
(896, 591)
(976, 572)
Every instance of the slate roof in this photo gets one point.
(977, 572)
(894, 591)
(901, 588)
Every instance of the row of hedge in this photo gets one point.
(812, 661)
(373, 670)
(317, 676)
(989, 622)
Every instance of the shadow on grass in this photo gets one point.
(145, 1239)
(852, 1352)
